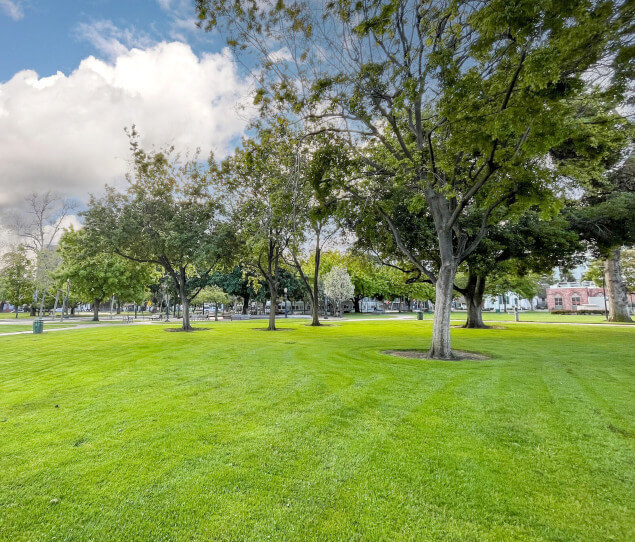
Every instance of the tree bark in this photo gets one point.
(96, 310)
(185, 302)
(42, 303)
(356, 300)
(615, 288)
(245, 303)
(441, 347)
(273, 297)
(474, 298)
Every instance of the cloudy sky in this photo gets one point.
(74, 74)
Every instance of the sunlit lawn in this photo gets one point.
(132, 433)
(492, 316)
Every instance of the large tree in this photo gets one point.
(240, 282)
(605, 218)
(529, 244)
(259, 180)
(318, 167)
(168, 216)
(464, 97)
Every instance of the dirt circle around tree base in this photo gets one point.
(180, 329)
(459, 355)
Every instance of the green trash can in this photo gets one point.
(419, 315)
(38, 325)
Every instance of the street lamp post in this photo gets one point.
(286, 311)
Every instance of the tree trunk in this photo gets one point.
(216, 312)
(57, 296)
(356, 300)
(245, 304)
(96, 310)
(272, 305)
(42, 303)
(186, 313)
(185, 302)
(615, 288)
(441, 347)
(474, 298)
(315, 301)
(118, 306)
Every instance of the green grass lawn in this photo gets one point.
(132, 433)
(524, 316)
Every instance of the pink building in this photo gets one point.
(572, 296)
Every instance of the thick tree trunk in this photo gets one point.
(245, 304)
(118, 306)
(33, 310)
(441, 347)
(474, 299)
(272, 305)
(356, 300)
(186, 312)
(96, 310)
(615, 288)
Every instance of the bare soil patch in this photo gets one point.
(459, 355)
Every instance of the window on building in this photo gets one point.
(558, 302)
(575, 300)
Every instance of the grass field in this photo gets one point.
(132, 433)
(524, 316)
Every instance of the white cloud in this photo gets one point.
(111, 40)
(65, 132)
(12, 8)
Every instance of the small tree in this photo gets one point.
(258, 180)
(97, 276)
(338, 286)
(213, 294)
(17, 280)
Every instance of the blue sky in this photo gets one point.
(74, 74)
(49, 35)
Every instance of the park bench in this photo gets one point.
(156, 317)
(128, 319)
